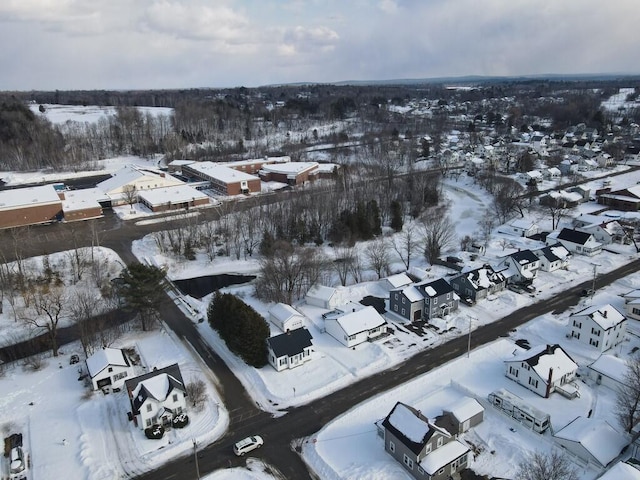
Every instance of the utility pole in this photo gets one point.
(593, 283)
(195, 457)
(469, 337)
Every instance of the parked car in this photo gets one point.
(515, 288)
(587, 292)
(247, 444)
(17, 460)
(74, 359)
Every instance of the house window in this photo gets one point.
(428, 449)
(120, 375)
(110, 369)
(448, 296)
(635, 311)
(441, 471)
(175, 397)
(392, 446)
(404, 300)
(283, 361)
(149, 407)
(148, 422)
(420, 470)
(407, 461)
(395, 307)
(403, 312)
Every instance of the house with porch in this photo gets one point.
(425, 450)
(599, 326)
(476, 284)
(109, 368)
(439, 298)
(544, 369)
(156, 397)
(553, 257)
(290, 349)
(575, 241)
(520, 267)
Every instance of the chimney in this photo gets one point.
(548, 392)
(604, 314)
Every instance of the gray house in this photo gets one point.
(439, 299)
(427, 451)
(477, 284)
(407, 302)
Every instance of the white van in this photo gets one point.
(247, 444)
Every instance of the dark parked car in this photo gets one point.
(587, 292)
(74, 359)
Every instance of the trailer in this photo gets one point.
(514, 406)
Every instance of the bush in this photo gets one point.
(154, 432)
(180, 421)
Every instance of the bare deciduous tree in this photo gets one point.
(377, 257)
(342, 264)
(627, 407)
(507, 199)
(542, 466)
(196, 392)
(48, 308)
(130, 195)
(438, 233)
(405, 243)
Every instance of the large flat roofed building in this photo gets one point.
(172, 198)
(293, 173)
(224, 180)
(29, 206)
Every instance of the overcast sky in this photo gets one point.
(143, 44)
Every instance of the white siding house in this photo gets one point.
(289, 350)
(285, 317)
(156, 397)
(543, 370)
(602, 327)
(109, 367)
(355, 327)
(609, 371)
(632, 304)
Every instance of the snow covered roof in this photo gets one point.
(522, 223)
(610, 366)
(399, 280)
(443, 456)
(606, 316)
(543, 358)
(101, 359)
(436, 288)
(282, 311)
(412, 294)
(621, 471)
(321, 292)
(484, 277)
(360, 321)
(406, 421)
(177, 194)
(632, 295)
(596, 436)
(289, 168)
(124, 176)
(25, 197)
(82, 199)
(156, 384)
(465, 408)
(220, 172)
(290, 343)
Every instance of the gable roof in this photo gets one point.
(436, 288)
(321, 292)
(574, 236)
(412, 293)
(101, 359)
(543, 358)
(606, 316)
(290, 343)
(443, 456)
(596, 436)
(410, 427)
(556, 252)
(483, 277)
(465, 408)
(399, 280)
(359, 321)
(610, 366)
(283, 312)
(524, 257)
(156, 384)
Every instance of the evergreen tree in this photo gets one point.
(243, 329)
(396, 216)
(143, 292)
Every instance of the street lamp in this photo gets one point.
(195, 457)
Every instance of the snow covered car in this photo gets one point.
(247, 444)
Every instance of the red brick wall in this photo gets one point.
(29, 215)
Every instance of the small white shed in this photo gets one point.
(285, 317)
(323, 297)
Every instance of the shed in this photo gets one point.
(594, 441)
(285, 317)
(466, 413)
(323, 297)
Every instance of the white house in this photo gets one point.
(157, 397)
(323, 297)
(632, 304)
(575, 241)
(553, 257)
(543, 370)
(520, 227)
(594, 441)
(285, 317)
(109, 367)
(290, 349)
(602, 327)
(357, 326)
(609, 371)
(519, 267)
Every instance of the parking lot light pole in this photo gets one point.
(195, 457)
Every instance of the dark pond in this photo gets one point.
(199, 287)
